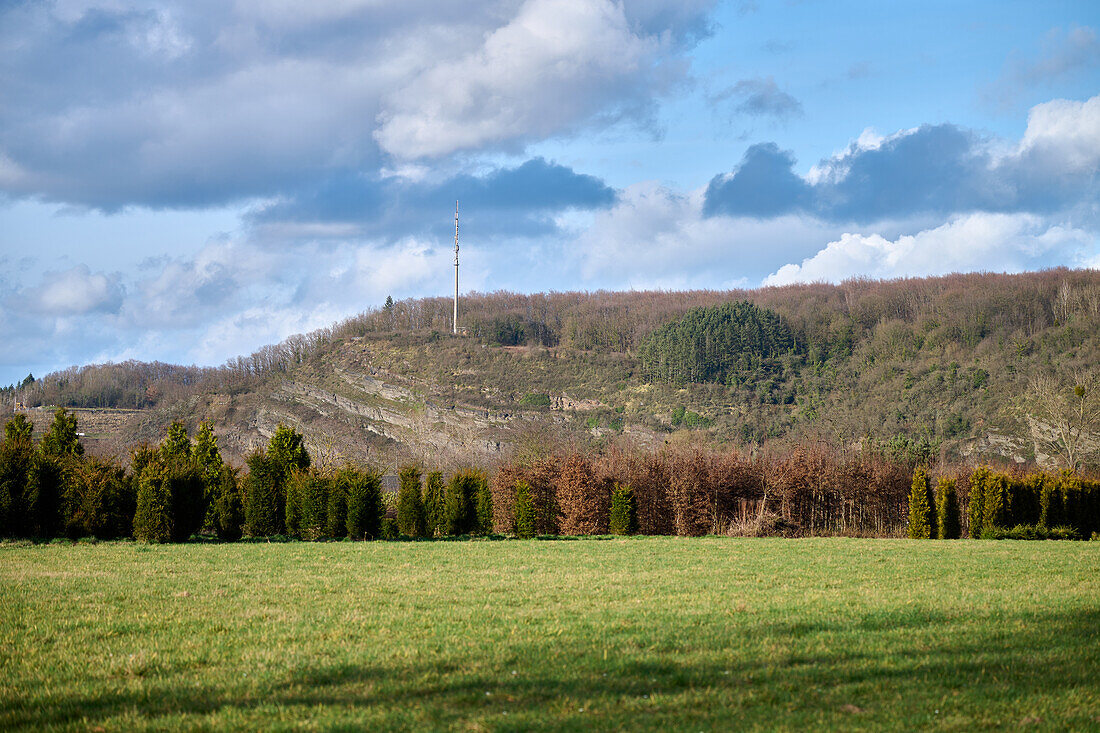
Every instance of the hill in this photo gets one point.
(950, 366)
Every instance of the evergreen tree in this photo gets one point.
(624, 513)
(921, 507)
(524, 511)
(176, 445)
(484, 509)
(365, 507)
(411, 521)
(435, 503)
(976, 508)
(995, 501)
(102, 501)
(948, 522)
(153, 515)
(287, 448)
(61, 439)
(228, 505)
(209, 461)
(461, 507)
(18, 460)
(263, 509)
(18, 428)
(336, 511)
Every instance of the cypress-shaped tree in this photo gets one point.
(523, 511)
(263, 512)
(365, 508)
(948, 521)
(18, 428)
(153, 515)
(336, 513)
(287, 448)
(976, 507)
(102, 501)
(484, 509)
(461, 507)
(61, 438)
(176, 445)
(435, 502)
(994, 502)
(921, 507)
(188, 495)
(209, 460)
(228, 505)
(411, 521)
(624, 512)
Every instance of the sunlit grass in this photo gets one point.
(655, 633)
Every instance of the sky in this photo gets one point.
(188, 181)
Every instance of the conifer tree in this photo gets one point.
(484, 509)
(624, 513)
(18, 428)
(176, 445)
(523, 511)
(153, 516)
(948, 522)
(365, 508)
(976, 508)
(921, 507)
(435, 502)
(228, 505)
(461, 508)
(263, 510)
(994, 501)
(61, 439)
(411, 520)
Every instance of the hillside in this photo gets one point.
(931, 367)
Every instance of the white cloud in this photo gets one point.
(557, 64)
(656, 237)
(74, 292)
(1064, 134)
(984, 242)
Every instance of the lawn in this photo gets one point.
(653, 633)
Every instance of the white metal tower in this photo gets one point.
(454, 323)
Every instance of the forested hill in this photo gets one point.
(952, 364)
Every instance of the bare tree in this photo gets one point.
(1064, 418)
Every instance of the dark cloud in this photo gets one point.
(517, 200)
(764, 185)
(934, 169)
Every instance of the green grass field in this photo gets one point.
(654, 633)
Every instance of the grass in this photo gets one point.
(644, 634)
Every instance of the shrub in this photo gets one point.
(524, 511)
(1030, 532)
(287, 448)
(995, 501)
(948, 522)
(411, 520)
(435, 502)
(535, 399)
(921, 505)
(583, 498)
(365, 508)
(18, 466)
(624, 514)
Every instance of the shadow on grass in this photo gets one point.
(890, 683)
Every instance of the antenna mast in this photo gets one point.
(454, 323)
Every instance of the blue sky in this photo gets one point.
(185, 182)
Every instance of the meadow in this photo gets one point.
(652, 633)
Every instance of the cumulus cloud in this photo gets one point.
(933, 169)
(658, 237)
(225, 102)
(74, 292)
(985, 242)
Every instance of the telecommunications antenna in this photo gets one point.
(454, 323)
